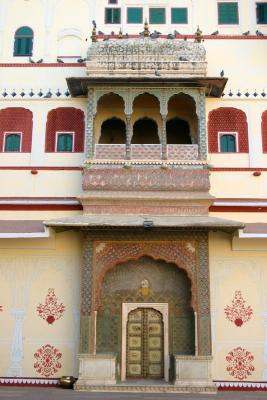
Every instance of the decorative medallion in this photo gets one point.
(47, 363)
(240, 363)
(51, 310)
(145, 289)
(238, 313)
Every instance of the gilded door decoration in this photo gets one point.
(145, 354)
(238, 312)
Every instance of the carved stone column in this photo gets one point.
(89, 139)
(129, 134)
(86, 295)
(164, 137)
(202, 137)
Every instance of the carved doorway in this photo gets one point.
(145, 344)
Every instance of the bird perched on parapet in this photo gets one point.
(157, 73)
(258, 33)
(81, 60)
(126, 35)
(94, 23)
(60, 61)
(215, 33)
(31, 60)
(222, 73)
(176, 32)
(100, 33)
(183, 59)
(40, 61)
(141, 33)
(246, 33)
(105, 39)
(155, 35)
(185, 38)
(170, 36)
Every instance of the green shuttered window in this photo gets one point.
(179, 15)
(23, 41)
(157, 15)
(261, 13)
(228, 144)
(134, 15)
(12, 142)
(65, 142)
(228, 13)
(112, 15)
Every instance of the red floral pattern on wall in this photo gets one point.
(51, 310)
(240, 363)
(238, 313)
(47, 363)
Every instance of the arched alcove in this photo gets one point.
(145, 131)
(113, 131)
(182, 107)
(149, 281)
(178, 131)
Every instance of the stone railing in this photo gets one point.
(146, 152)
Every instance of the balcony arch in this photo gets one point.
(113, 131)
(178, 131)
(145, 131)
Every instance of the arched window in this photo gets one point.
(23, 41)
(64, 142)
(228, 143)
(65, 121)
(228, 120)
(113, 131)
(16, 121)
(12, 142)
(178, 131)
(145, 131)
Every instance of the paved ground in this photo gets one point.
(17, 393)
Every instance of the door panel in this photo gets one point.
(145, 344)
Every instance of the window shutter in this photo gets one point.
(261, 13)
(134, 15)
(179, 15)
(157, 15)
(228, 144)
(12, 143)
(228, 13)
(64, 142)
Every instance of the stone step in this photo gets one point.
(158, 388)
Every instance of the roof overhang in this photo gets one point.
(214, 86)
(144, 222)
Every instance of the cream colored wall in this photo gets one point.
(238, 268)
(238, 184)
(27, 273)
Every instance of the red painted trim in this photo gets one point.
(41, 168)
(241, 389)
(40, 207)
(219, 169)
(207, 37)
(237, 209)
(44, 65)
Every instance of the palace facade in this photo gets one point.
(133, 228)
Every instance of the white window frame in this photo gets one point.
(235, 134)
(170, 15)
(65, 133)
(4, 141)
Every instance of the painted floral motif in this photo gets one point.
(47, 363)
(238, 313)
(240, 363)
(51, 310)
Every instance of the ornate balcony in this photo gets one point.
(178, 152)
